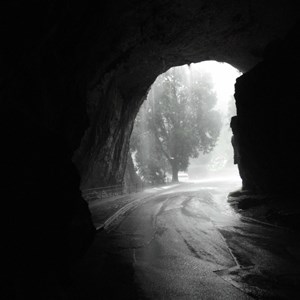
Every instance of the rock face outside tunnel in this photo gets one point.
(267, 120)
(72, 79)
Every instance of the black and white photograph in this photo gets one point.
(150, 149)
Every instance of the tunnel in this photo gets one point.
(73, 76)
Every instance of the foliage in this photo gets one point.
(176, 122)
(150, 166)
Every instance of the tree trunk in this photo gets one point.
(131, 178)
(174, 172)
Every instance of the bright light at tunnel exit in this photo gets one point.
(217, 164)
(224, 77)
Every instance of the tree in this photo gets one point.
(179, 119)
(150, 165)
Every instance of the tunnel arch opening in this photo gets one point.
(155, 141)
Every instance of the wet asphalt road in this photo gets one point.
(187, 243)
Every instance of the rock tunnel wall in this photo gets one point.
(73, 76)
(267, 123)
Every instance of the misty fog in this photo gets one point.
(219, 162)
(182, 131)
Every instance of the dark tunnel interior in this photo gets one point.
(73, 77)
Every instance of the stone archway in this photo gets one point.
(72, 78)
(153, 41)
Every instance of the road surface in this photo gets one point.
(187, 243)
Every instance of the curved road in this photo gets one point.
(187, 243)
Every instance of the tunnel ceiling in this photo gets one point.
(144, 37)
(141, 39)
(168, 33)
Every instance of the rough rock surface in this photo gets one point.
(267, 122)
(73, 76)
(131, 178)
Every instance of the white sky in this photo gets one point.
(224, 77)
